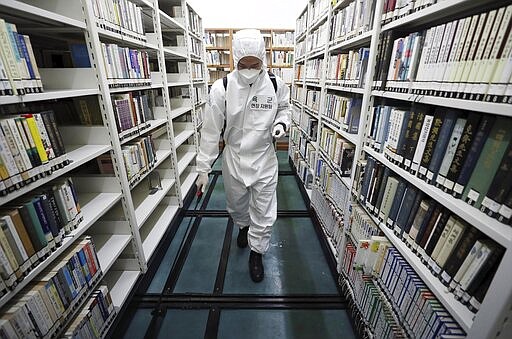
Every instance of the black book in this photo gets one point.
(459, 254)
(429, 227)
(386, 57)
(414, 135)
(433, 135)
(405, 139)
(408, 116)
(397, 202)
(436, 233)
(414, 209)
(368, 170)
(382, 188)
(472, 156)
(463, 148)
(493, 260)
(441, 145)
(375, 184)
(500, 186)
(433, 206)
(479, 294)
(505, 211)
(405, 209)
(49, 120)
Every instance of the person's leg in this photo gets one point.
(263, 213)
(237, 204)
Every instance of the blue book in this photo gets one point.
(83, 262)
(384, 127)
(80, 55)
(414, 209)
(403, 133)
(441, 145)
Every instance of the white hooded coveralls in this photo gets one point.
(249, 163)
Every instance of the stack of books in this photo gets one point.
(30, 148)
(19, 73)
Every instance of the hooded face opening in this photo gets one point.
(249, 62)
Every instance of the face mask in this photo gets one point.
(249, 75)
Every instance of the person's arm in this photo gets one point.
(283, 115)
(212, 127)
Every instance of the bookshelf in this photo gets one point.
(339, 58)
(279, 48)
(162, 82)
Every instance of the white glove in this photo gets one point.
(278, 131)
(202, 181)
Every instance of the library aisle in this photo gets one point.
(200, 278)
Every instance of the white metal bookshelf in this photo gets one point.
(491, 320)
(125, 221)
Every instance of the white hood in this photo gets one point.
(249, 42)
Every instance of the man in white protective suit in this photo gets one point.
(253, 108)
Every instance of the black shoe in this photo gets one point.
(241, 240)
(256, 267)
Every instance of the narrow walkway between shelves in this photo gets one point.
(198, 284)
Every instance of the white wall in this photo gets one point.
(248, 13)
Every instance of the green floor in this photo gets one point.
(210, 294)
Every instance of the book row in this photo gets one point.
(354, 19)
(31, 147)
(330, 219)
(45, 306)
(34, 227)
(318, 37)
(125, 63)
(196, 46)
(418, 310)
(95, 317)
(332, 186)
(343, 111)
(132, 112)
(337, 150)
(115, 14)
(360, 224)
(309, 125)
(312, 99)
(282, 58)
(195, 23)
(301, 24)
(284, 73)
(466, 154)
(314, 69)
(373, 308)
(217, 57)
(348, 69)
(285, 39)
(318, 8)
(395, 9)
(439, 238)
(302, 167)
(19, 73)
(467, 58)
(139, 157)
(197, 71)
(300, 49)
(217, 39)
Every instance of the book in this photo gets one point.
(405, 209)
(453, 143)
(430, 143)
(397, 201)
(500, 185)
(460, 252)
(484, 128)
(488, 162)
(449, 122)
